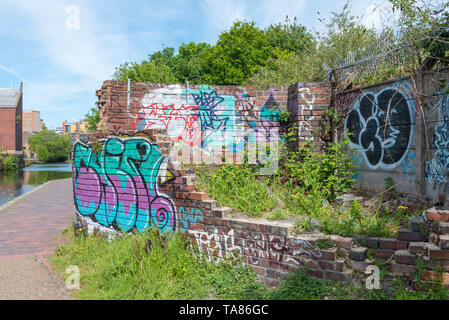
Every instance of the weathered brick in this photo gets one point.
(337, 276)
(404, 257)
(272, 282)
(444, 242)
(438, 254)
(418, 248)
(407, 235)
(372, 242)
(316, 273)
(402, 268)
(417, 224)
(383, 253)
(437, 215)
(329, 254)
(443, 228)
(428, 275)
(342, 242)
(358, 254)
(360, 266)
(387, 243)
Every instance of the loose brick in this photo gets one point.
(418, 248)
(437, 215)
(418, 224)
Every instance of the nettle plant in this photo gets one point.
(327, 173)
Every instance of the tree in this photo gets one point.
(50, 146)
(189, 62)
(147, 71)
(290, 36)
(92, 118)
(238, 54)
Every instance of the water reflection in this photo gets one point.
(14, 184)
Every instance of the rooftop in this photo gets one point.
(9, 97)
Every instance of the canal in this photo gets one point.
(16, 183)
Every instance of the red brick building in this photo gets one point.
(11, 118)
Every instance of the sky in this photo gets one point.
(62, 50)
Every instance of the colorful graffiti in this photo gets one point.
(436, 170)
(118, 186)
(381, 126)
(200, 117)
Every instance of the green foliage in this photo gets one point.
(236, 186)
(146, 71)
(92, 118)
(325, 173)
(238, 53)
(50, 146)
(290, 36)
(300, 286)
(149, 266)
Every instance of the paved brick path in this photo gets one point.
(30, 229)
(32, 224)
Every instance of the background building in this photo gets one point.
(11, 118)
(31, 121)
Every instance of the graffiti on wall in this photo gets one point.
(217, 247)
(203, 118)
(380, 125)
(436, 169)
(118, 186)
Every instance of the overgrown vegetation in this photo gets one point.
(238, 187)
(288, 52)
(8, 162)
(151, 266)
(50, 146)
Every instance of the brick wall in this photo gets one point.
(130, 175)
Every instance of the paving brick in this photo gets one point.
(32, 224)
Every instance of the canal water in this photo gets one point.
(14, 184)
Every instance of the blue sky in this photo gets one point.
(62, 67)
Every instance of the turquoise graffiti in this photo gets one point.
(118, 185)
(202, 117)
